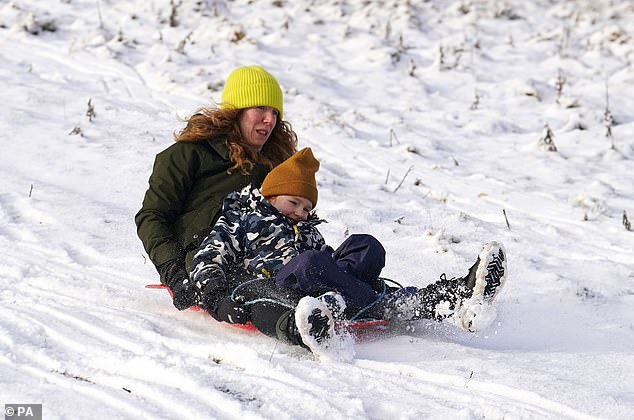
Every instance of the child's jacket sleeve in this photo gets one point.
(219, 254)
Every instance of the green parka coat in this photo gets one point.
(188, 184)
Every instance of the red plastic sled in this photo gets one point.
(360, 327)
(248, 326)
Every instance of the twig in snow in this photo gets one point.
(466, 384)
(441, 56)
(181, 45)
(238, 36)
(90, 112)
(388, 29)
(30, 190)
(174, 13)
(559, 85)
(99, 14)
(626, 221)
(76, 130)
(608, 119)
(402, 180)
(73, 376)
(507, 219)
(393, 137)
(412, 68)
(547, 141)
(475, 103)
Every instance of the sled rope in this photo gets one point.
(366, 308)
(354, 317)
(378, 299)
(259, 300)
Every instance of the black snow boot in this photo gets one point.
(310, 325)
(484, 282)
(286, 330)
(486, 277)
(435, 301)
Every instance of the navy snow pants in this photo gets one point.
(352, 270)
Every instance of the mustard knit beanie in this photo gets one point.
(252, 86)
(294, 176)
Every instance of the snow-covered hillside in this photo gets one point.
(434, 122)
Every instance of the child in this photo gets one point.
(266, 262)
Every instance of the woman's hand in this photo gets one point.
(176, 278)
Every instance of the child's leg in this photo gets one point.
(258, 301)
(310, 324)
(279, 312)
(316, 272)
(441, 299)
(435, 301)
(363, 256)
(265, 316)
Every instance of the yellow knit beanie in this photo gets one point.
(252, 86)
(294, 176)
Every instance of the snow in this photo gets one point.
(427, 119)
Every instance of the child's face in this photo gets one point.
(292, 206)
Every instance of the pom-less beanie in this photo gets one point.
(294, 176)
(252, 86)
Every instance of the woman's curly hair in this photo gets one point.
(211, 123)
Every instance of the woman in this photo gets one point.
(221, 149)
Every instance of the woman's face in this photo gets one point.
(256, 124)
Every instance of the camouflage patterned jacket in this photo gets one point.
(250, 239)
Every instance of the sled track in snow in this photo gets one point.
(467, 392)
(195, 370)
